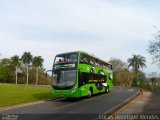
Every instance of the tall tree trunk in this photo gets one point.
(27, 74)
(16, 74)
(37, 77)
(136, 73)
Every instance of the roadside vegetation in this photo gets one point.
(11, 94)
(131, 73)
(25, 69)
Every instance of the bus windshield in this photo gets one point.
(66, 61)
(64, 78)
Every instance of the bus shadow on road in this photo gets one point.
(79, 99)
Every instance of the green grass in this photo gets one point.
(11, 94)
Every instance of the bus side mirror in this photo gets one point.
(111, 67)
(46, 74)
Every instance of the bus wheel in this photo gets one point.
(90, 92)
(107, 89)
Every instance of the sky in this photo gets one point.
(105, 28)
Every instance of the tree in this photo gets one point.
(154, 47)
(15, 61)
(37, 62)
(124, 77)
(6, 71)
(153, 79)
(5, 62)
(118, 70)
(136, 62)
(27, 59)
(117, 64)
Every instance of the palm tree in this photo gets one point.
(136, 62)
(15, 61)
(5, 61)
(37, 62)
(27, 59)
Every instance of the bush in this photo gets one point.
(6, 75)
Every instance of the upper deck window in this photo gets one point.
(66, 60)
(86, 59)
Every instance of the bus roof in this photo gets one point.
(86, 54)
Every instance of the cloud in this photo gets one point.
(103, 19)
(104, 28)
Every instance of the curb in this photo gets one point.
(122, 105)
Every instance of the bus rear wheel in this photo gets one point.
(107, 89)
(90, 92)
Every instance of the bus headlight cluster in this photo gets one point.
(74, 90)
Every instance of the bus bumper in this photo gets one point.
(70, 93)
(65, 94)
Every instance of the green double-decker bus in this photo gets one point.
(78, 74)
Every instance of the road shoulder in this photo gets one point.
(148, 103)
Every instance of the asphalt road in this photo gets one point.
(84, 108)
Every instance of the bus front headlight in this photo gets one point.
(74, 90)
